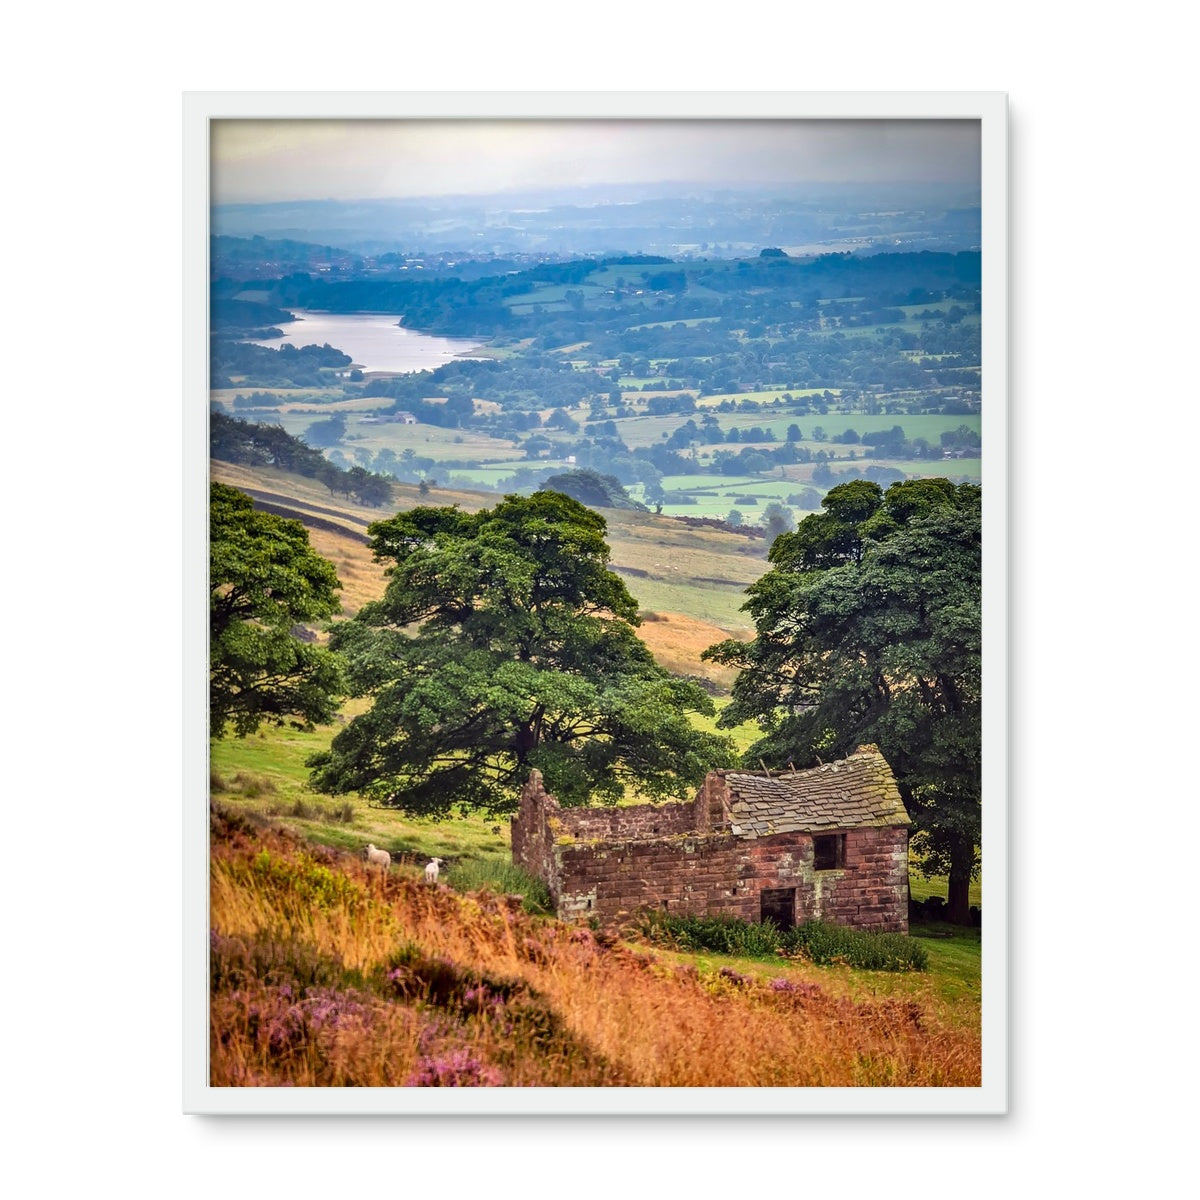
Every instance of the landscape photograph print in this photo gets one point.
(595, 542)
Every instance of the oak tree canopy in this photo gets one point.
(868, 630)
(265, 580)
(503, 643)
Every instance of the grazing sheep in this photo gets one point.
(431, 871)
(379, 858)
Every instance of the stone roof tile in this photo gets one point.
(855, 792)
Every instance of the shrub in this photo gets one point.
(719, 935)
(821, 942)
(252, 786)
(458, 1068)
(311, 881)
(818, 941)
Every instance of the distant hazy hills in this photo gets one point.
(688, 220)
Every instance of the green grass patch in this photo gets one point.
(955, 954)
(744, 736)
(708, 483)
(922, 888)
(766, 489)
(969, 470)
(264, 776)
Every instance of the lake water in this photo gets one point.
(373, 340)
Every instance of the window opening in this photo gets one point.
(829, 851)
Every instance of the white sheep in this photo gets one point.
(379, 858)
(431, 871)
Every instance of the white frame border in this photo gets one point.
(991, 109)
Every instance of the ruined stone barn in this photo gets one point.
(829, 843)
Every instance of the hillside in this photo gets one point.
(328, 973)
(689, 581)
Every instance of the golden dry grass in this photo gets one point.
(677, 641)
(329, 974)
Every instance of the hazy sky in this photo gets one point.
(256, 161)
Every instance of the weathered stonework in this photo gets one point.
(743, 834)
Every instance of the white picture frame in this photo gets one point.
(990, 109)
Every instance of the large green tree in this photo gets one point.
(502, 643)
(264, 580)
(868, 630)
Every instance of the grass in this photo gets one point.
(326, 397)
(427, 441)
(717, 604)
(690, 322)
(744, 736)
(708, 483)
(327, 974)
(274, 758)
(921, 888)
(677, 642)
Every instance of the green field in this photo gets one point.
(711, 483)
(429, 441)
(962, 470)
(264, 776)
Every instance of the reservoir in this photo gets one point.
(373, 340)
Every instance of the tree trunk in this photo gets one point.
(962, 859)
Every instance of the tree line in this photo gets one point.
(235, 441)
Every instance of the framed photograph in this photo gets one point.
(600, 504)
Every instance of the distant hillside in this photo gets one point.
(659, 218)
(691, 581)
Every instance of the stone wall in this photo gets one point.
(719, 873)
(534, 830)
(683, 858)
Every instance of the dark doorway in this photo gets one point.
(779, 907)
